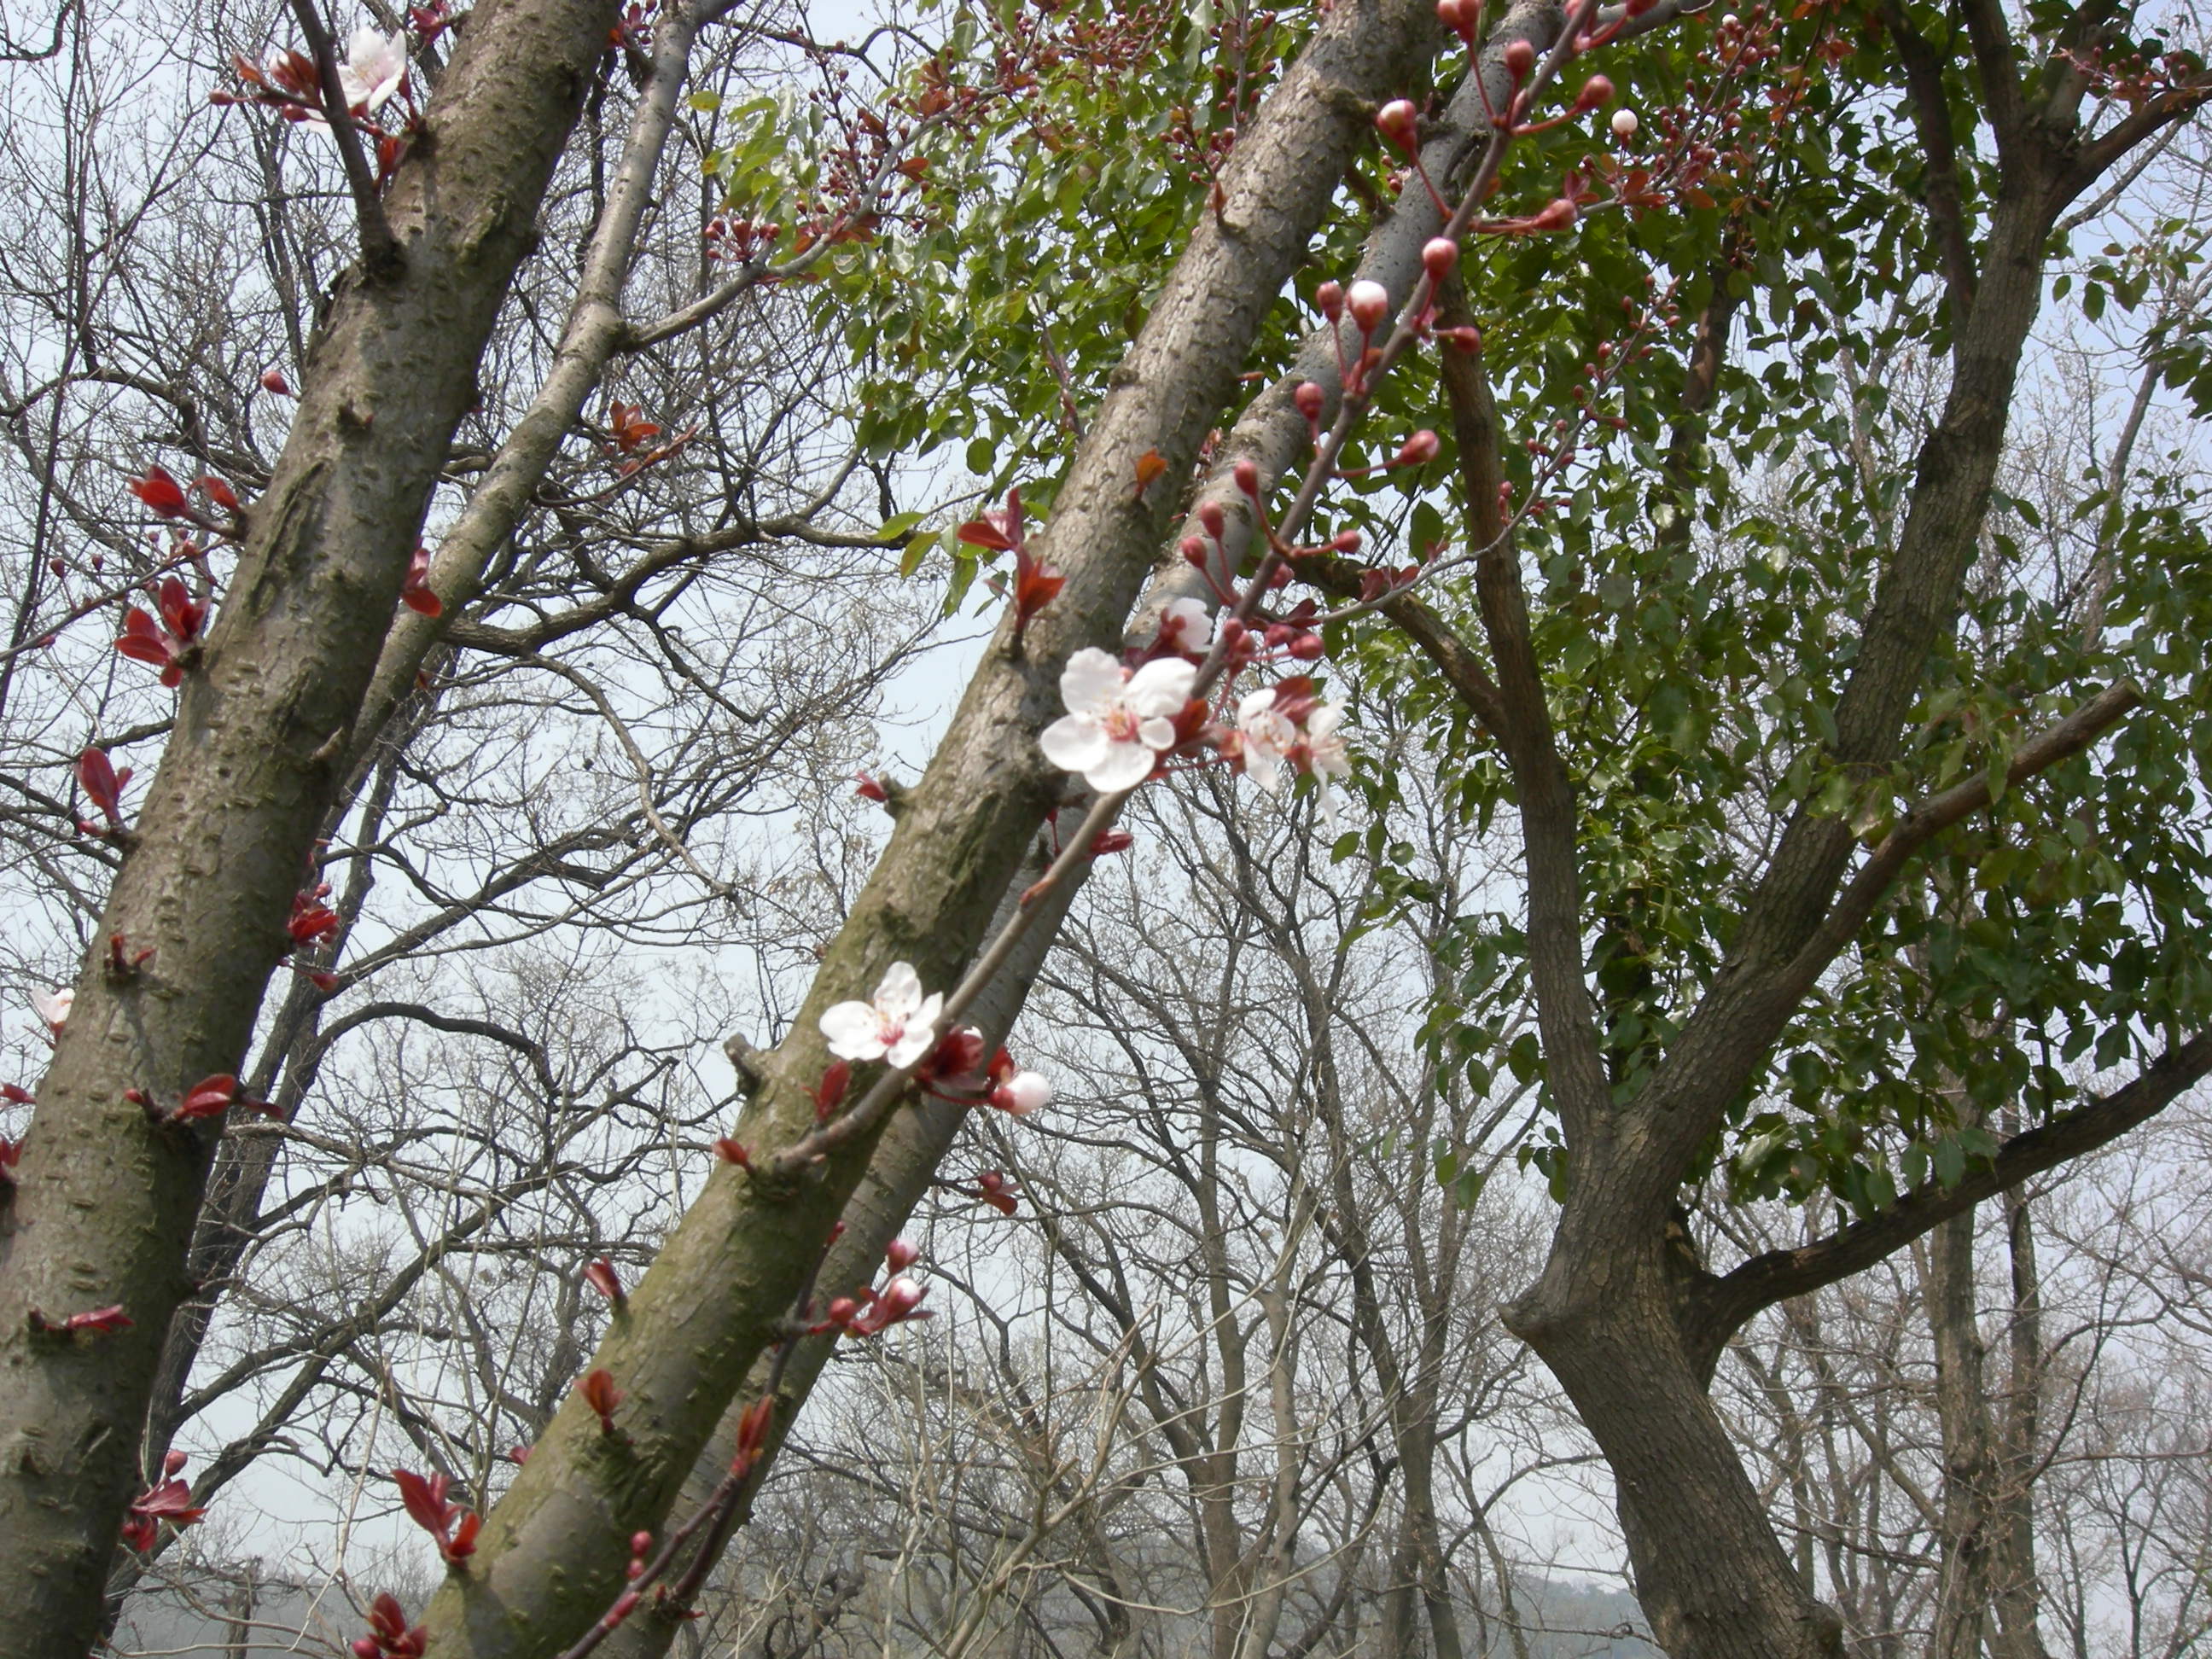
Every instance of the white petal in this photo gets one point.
(1264, 766)
(854, 1031)
(1162, 686)
(53, 1006)
(1157, 734)
(900, 993)
(1254, 704)
(1324, 720)
(1125, 767)
(1091, 683)
(1187, 624)
(917, 1040)
(926, 1015)
(1074, 743)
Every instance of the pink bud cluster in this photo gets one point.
(868, 1312)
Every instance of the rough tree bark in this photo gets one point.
(549, 1561)
(106, 1199)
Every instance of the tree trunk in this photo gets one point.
(1713, 1579)
(106, 1197)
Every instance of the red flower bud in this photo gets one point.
(1194, 550)
(1417, 450)
(1370, 304)
(640, 1542)
(1345, 541)
(1399, 122)
(1247, 474)
(1213, 518)
(1310, 398)
(1307, 648)
(901, 1255)
(1520, 58)
(272, 379)
(1330, 298)
(1440, 257)
(1597, 91)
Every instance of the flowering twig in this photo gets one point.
(380, 249)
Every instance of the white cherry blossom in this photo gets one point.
(900, 1025)
(1269, 736)
(53, 1006)
(373, 69)
(1326, 756)
(1117, 723)
(1186, 625)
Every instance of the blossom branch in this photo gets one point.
(380, 249)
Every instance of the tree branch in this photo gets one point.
(1931, 118)
(380, 249)
(1720, 1308)
(1574, 1059)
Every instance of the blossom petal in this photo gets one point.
(1162, 686)
(899, 993)
(1074, 743)
(1092, 681)
(855, 1031)
(1125, 766)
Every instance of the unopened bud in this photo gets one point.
(1399, 122)
(1520, 57)
(1213, 518)
(1247, 474)
(1597, 91)
(1309, 398)
(1307, 648)
(1370, 304)
(172, 1465)
(1417, 450)
(901, 1255)
(1329, 296)
(1440, 257)
(1624, 124)
(640, 1542)
(1345, 541)
(365, 1647)
(840, 1312)
(273, 380)
(1194, 550)
(1557, 215)
(900, 1297)
(1458, 16)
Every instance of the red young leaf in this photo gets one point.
(600, 1393)
(102, 787)
(1150, 466)
(425, 1500)
(602, 1277)
(161, 492)
(181, 614)
(210, 1097)
(142, 641)
(217, 491)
